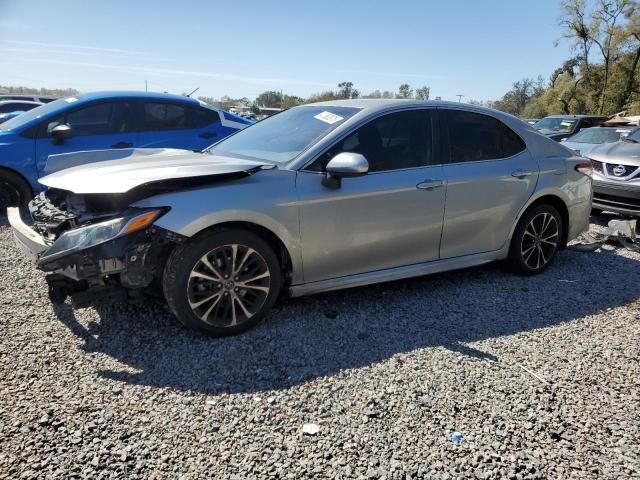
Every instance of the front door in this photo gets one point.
(388, 218)
(97, 126)
(490, 176)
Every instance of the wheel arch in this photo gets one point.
(274, 241)
(559, 204)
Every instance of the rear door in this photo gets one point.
(490, 176)
(178, 125)
(94, 126)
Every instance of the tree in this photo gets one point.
(269, 99)
(404, 91)
(374, 94)
(423, 93)
(598, 27)
(346, 90)
(289, 101)
(522, 92)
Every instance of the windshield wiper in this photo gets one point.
(627, 139)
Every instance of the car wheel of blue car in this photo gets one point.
(14, 191)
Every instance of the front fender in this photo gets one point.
(267, 199)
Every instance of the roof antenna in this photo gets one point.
(194, 91)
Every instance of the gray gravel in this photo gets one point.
(387, 374)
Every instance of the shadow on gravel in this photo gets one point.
(301, 340)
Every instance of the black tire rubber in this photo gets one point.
(515, 262)
(184, 257)
(14, 190)
(596, 212)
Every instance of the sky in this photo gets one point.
(242, 48)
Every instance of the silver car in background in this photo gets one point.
(616, 176)
(589, 138)
(319, 197)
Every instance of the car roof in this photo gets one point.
(575, 116)
(373, 105)
(106, 95)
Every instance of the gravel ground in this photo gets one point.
(387, 373)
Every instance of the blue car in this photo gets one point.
(98, 121)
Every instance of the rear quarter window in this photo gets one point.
(475, 137)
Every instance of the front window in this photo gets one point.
(97, 119)
(555, 125)
(598, 135)
(282, 137)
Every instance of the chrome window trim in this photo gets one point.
(363, 121)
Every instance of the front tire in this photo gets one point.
(223, 282)
(14, 191)
(536, 240)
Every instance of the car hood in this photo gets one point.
(141, 167)
(627, 153)
(581, 148)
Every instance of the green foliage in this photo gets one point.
(347, 90)
(423, 93)
(404, 91)
(602, 76)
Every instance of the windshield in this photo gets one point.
(32, 114)
(598, 135)
(281, 138)
(555, 124)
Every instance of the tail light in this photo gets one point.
(585, 168)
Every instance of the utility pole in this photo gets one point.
(459, 97)
(145, 86)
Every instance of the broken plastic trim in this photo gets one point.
(78, 239)
(622, 232)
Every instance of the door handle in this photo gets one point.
(520, 173)
(430, 184)
(122, 145)
(208, 135)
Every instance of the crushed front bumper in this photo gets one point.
(30, 242)
(619, 198)
(102, 272)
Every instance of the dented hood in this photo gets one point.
(625, 152)
(141, 168)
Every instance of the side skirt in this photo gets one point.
(397, 273)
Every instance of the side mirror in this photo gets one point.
(60, 133)
(345, 164)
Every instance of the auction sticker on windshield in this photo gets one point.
(328, 117)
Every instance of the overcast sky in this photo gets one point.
(474, 48)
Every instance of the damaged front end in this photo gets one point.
(94, 247)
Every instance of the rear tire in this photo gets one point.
(223, 282)
(14, 190)
(536, 240)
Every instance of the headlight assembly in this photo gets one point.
(92, 235)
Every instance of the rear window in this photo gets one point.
(164, 116)
(203, 117)
(474, 137)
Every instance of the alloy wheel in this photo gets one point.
(229, 285)
(540, 240)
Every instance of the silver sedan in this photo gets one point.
(319, 197)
